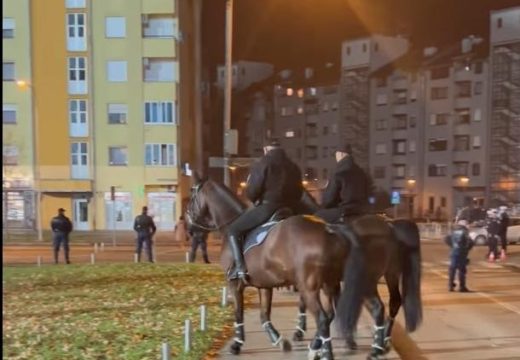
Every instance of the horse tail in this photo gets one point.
(350, 301)
(408, 236)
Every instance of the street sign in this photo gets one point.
(396, 198)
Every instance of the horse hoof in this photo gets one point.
(285, 345)
(298, 336)
(235, 348)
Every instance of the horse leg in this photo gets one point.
(237, 290)
(392, 281)
(321, 345)
(302, 321)
(377, 310)
(326, 317)
(266, 297)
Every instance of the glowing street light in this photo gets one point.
(305, 183)
(243, 184)
(411, 182)
(464, 180)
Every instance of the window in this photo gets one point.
(311, 152)
(159, 69)
(411, 171)
(437, 144)
(312, 91)
(159, 26)
(78, 118)
(289, 92)
(10, 155)
(77, 75)
(477, 115)
(463, 116)
(413, 95)
(334, 106)
(439, 93)
(439, 119)
(334, 129)
(160, 154)
(325, 174)
(381, 124)
(381, 82)
(478, 88)
(411, 146)
(399, 147)
(399, 122)
(117, 113)
(115, 27)
(376, 47)
(160, 112)
(463, 89)
(325, 106)
(75, 4)
(437, 170)
(440, 73)
(286, 111)
(381, 99)
(399, 171)
(476, 142)
(379, 172)
(8, 71)
(311, 130)
(461, 143)
(443, 201)
(7, 28)
(380, 149)
(299, 110)
(348, 50)
(289, 134)
(300, 93)
(325, 152)
(475, 169)
(9, 114)
(117, 156)
(116, 71)
(499, 23)
(460, 168)
(400, 96)
(478, 67)
(76, 39)
(412, 121)
(325, 130)
(364, 47)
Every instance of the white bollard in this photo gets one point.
(187, 336)
(102, 246)
(203, 317)
(95, 248)
(39, 261)
(92, 259)
(136, 259)
(187, 257)
(165, 351)
(224, 296)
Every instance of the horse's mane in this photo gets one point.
(228, 197)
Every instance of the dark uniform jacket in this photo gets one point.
(275, 179)
(349, 188)
(459, 241)
(493, 227)
(61, 224)
(144, 223)
(504, 223)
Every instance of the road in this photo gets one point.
(483, 324)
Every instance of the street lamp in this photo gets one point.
(464, 180)
(23, 85)
(411, 185)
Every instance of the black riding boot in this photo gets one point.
(238, 271)
(56, 256)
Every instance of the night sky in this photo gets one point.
(298, 33)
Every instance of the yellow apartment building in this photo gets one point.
(102, 78)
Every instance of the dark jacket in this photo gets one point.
(61, 224)
(493, 226)
(348, 188)
(504, 223)
(459, 241)
(144, 224)
(197, 235)
(275, 179)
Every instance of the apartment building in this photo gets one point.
(504, 118)
(104, 84)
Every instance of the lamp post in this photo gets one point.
(23, 84)
(228, 85)
(464, 180)
(411, 185)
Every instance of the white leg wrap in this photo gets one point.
(278, 341)
(300, 329)
(238, 325)
(302, 314)
(266, 324)
(325, 340)
(378, 347)
(235, 339)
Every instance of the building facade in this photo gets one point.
(104, 84)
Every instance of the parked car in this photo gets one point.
(478, 232)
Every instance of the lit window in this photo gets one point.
(160, 154)
(289, 92)
(300, 93)
(289, 134)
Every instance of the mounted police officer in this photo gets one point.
(145, 228)
(348, 189)
(460, 244)
(273, 183)
(61, 228)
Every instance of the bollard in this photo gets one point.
(203, 317)
(102, 246)
(187, 336)
(92, 259)
(165, 351)
(39, 261)
(224, 296)
(136, 258)
(187, 257)
(95, 248)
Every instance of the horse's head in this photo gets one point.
(197, 212)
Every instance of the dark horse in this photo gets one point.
(305, 252)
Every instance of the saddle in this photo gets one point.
(257, 236)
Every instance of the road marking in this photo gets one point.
(487, 296)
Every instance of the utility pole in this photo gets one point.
(228, 86)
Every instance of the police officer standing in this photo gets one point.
(145, 228)
(273, 183)
(504, 223)
(61, 228)
(199, 237)
(493, 230)
(348, 189)
(460, 244)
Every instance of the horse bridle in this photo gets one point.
(189, 214)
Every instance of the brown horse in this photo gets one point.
(300, 251)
